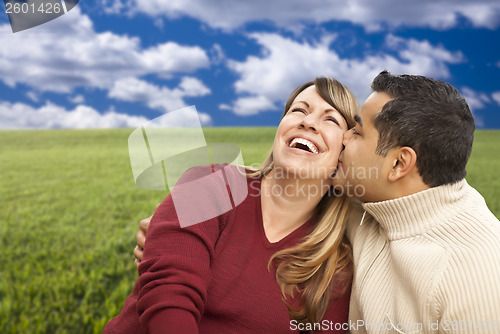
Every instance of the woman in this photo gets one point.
(278, 259)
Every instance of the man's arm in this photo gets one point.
(140, 237)
(469, 293)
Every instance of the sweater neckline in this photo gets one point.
(295, 234)
(415, 214)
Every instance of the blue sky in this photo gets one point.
(119, 63)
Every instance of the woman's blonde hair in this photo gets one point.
(324, 256)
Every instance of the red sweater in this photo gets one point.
(212, 277)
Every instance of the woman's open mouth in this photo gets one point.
(303, 144)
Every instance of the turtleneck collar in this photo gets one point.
(415, 214)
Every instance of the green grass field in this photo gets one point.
(70, 209)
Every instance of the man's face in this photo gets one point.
(361, 171)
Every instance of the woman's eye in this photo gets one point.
(355, 132)
(298, 110)
(333, 119)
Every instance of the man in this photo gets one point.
(427, 253)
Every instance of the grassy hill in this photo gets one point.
(70, 209)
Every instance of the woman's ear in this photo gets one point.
(332, 177)
(405, 161)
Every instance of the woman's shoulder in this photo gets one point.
(207, 193)
(204, 204)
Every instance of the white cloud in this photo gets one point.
(496, 96)
(225, 106)
(51, 116)
(230, 14)
(421, 54)
(193, 87)
(252, 105)
(78, 99)
(163, 98)
(475, 100)
(205, 119)
(115, 6)
(217, 54)
(183, 118)
(285, 63)
(32, 96)
(67, 53)
(159, 23)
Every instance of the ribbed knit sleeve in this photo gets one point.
(175, 271)
(427, 263)
(467, 292)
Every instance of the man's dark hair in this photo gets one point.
(432, 118)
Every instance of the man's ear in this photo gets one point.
(404, 162)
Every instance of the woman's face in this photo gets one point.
(309, 137)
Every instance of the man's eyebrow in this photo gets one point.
(358, 120)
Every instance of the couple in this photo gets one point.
(421, 254)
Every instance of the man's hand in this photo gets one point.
(141, 240)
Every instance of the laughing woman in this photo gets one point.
(277, 262)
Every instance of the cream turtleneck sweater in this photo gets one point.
(426, 263)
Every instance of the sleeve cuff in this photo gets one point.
(173, 320)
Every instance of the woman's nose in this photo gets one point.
(310, 122)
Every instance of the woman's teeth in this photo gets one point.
(303, 144)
